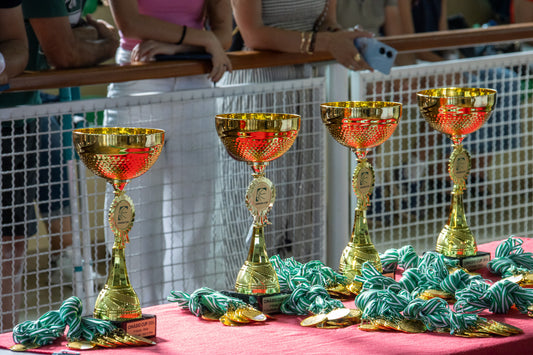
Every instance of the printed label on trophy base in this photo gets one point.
(268, 304)
(144, 327)
(473, 262)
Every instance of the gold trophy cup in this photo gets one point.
(258, 138)
(457, 112)
(119, 155)
(361, 125)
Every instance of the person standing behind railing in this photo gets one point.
(305, 27)
(13, 41)
(13, 59)
(52, 43)
(171, 241)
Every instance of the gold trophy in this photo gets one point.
(458, 112)
(257, 138)
(119, 155)
(361, 125)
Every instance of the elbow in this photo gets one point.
(129, 28)
(62, 60)
(253, 43)
(226, 42)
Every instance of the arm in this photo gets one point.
(220, 20)
(13, 42)
(523, 11)
(404, 7)
(258, 36)
(159, 37)
(396, 24)
(135, 25)
(63, 49)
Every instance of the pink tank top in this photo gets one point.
(181, 12)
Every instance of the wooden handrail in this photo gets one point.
(103, 74)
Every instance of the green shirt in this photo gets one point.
(37, 60)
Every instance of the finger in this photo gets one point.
(216, 73)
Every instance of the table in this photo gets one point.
(180, 332)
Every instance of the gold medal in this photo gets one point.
(411, 326)
(141, 340)
(368, 327)
(314, 320)
(80, 345)
(210, 316)
(23, 347)
(355, 315)
(236, 316)
(227, 321)
(254, 314)
(338, 313)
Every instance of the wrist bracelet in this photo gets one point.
(311, 44)
(183, 33)
(302, 42)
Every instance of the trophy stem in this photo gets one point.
(360, 248)
(456, 239)
(257, 275)
(118, 301)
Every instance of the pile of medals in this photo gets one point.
(402, 325)
(344, 292)
(481, 329)
(116, 338)
(238, 316)
(337, 318)
(83, 332)
(212, 305)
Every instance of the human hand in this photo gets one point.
(85, 32)
(145, 51)
(104, 30)
(342, 48)
(219, 59)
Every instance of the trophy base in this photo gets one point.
(473, 262)
(144, 327)
(268, 304)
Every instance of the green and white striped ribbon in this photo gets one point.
(291, 273)
(405, 257)
(398, 304)
(497, 298)
(307, 299)
(431, 273)
(510, 258)
(52, 325)
(205, 300)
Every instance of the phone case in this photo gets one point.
(377, 54)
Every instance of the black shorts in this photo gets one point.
(19, 178)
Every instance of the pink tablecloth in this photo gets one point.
(179, 332)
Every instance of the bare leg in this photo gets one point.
(13, 250)
(60, 230)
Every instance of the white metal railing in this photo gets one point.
(411, 201)
(312, 216)
(192, 254)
